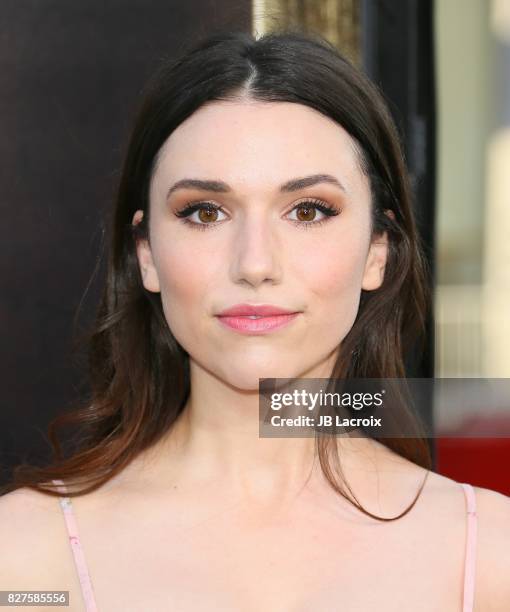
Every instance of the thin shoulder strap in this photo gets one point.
(470, 562)
(79, 557)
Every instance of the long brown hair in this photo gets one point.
(139, 374)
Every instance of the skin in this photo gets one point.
(214, 517)
(260, 256)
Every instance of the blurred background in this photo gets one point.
(70, 77)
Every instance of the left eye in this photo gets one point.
(309, 208)
(307, 212)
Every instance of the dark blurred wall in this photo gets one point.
(70, 75)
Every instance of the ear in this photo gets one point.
(373, 275)
(144, 254)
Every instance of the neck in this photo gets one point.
(215, 442)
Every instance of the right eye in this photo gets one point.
(207, 214)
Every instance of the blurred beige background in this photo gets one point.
(473, 207)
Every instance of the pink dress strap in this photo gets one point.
(79, 557)
(470, 562)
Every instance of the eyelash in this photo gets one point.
(191, 207)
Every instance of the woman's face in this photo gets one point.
(264, 246)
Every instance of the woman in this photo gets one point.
(173, 500)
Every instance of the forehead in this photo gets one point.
(251, 142)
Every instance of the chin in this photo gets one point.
(246, 378)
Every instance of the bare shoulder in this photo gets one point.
(493, 549)
(492, 584)
(30, 531)
(23, 510)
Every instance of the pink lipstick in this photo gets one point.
(256, 319)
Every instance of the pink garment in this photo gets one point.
(470, 560)
(88, 592)
(79, 558)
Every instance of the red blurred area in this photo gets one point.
(482, 462)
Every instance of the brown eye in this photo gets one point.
(306, 213)
(207, 215)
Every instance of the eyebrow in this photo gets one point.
(222, 187)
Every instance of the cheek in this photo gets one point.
(332, 275)
(331, 271)
(335, 265)
(185, 283)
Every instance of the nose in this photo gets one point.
(256, 256)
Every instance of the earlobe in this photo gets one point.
(145, 262)
(373, 276)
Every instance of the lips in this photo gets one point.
(255, 310)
